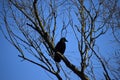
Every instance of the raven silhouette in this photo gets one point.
(60, 47)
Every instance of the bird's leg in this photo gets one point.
(58, 67)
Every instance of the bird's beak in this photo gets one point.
(66, 41)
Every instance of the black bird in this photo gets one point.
(60, 47)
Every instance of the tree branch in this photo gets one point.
(73, 68)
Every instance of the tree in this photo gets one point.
(32, 26)
(115, 26)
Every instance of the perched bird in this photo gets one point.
(60, 47)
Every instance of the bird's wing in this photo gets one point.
(57, 47)
(60, 47)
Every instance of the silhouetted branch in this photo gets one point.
(101, 61)
(73, 67)
(57, 75)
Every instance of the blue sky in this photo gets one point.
(11, 67)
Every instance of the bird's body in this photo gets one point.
(60, 47)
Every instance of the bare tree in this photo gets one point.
(33, 25)
(115, 21)
(114, 24)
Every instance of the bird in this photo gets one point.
(60, 47)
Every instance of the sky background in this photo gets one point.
(13, 68)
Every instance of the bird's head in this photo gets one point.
(63, 39)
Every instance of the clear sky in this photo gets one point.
(11, 67)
